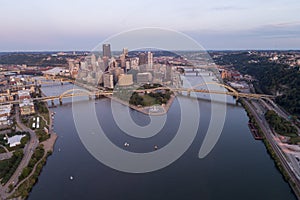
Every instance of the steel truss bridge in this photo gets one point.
(97, 93)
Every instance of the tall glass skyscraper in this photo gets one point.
(106, 50)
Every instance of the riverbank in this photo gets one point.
(273, 151)
(25, 185)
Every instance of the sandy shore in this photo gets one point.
(49, 144)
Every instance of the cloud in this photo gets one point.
(227, 8)
(278, 30)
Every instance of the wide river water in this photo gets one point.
(238, 167)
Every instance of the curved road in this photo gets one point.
(28, 151)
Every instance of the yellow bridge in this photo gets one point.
(97, 93)
(231, 91)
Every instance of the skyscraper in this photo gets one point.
(125, 52)
(106, 50)
(142, 59)
(150, 60)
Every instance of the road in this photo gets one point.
(262, 123)
(5, 155)
(28, 151)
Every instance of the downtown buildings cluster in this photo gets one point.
(126, 69)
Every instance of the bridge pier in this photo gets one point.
(52, 102)
(60, 101)
(189, 93)
(237, 102)
(97, 96)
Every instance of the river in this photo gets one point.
(238, 167)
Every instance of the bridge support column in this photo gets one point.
(189, 93)
(60, 101)
(237, 102)
(52, 102)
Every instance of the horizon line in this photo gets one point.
(253, 49)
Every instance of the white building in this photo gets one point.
(145, 77)
(5, 111)
(125, 80)
(15, 140)
(26, 104)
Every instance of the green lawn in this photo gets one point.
(148, 101)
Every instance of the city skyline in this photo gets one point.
(81, 25)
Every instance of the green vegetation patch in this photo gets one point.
(272, 78)
(24, 189)
(280, 125)
(37, 155)
(144, 98)
(2, 150)
(9, 166)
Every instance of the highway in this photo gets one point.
(262, 123)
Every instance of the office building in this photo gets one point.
(125, 80)
(106, 50)
(142, 59)
(150, 60)
(145, 77)
(108, 80)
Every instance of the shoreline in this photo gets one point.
(272, 152)
(50, 142)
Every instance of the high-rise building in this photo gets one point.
(150, 60)
(142, 59)
(168, 72)
(123, 60)
(108, 80)
(106, 50)
(125, 52)
(93, 62)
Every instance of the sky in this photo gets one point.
(38, 25)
